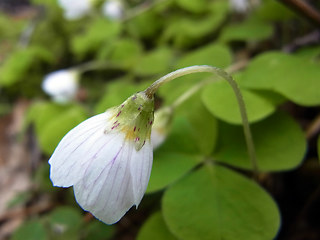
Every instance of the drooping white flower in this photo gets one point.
(108, 159)
(75, 9)
(161, 126)
(61, 85)
(239, 5)
(243, 6)
(112, 9)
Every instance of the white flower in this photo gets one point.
(61, 85)
(112, 9)
(239, 5)
(161, 126)
(243, 6)
(75, 9)
(108, 159)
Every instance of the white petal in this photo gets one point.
(62, 84)
(112, 9)
(75, 9)
(239, 5)
(157, 137)
(108, 192)
(141, 164)
(76, 150)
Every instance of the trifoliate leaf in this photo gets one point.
(274, 11)
(185, 31)
(97, 230)
(98, 33)
(181, 137)
(168, 167)
(67, 217)
(213, 54)
(155, 228)
(30, 230)
(279, 142)
(193, 133)
(145, 25)
(309, 53)
(40, 113)
(216, 203)
(205, 125)
(53, 121)
(155, 62)
(16, 67)
(65, 223)
(291, 76)
(7, 31)
(125, 53)
(246, 31)
(220, 100)
(42, 178)
(51, 134)
(193, 6)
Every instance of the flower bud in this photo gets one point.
(75, 9)
(61, 85)
(161, 126)
(113, 9)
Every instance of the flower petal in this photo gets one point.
(141, 164)
(106, 188)
(73, 153)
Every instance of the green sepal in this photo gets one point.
(134, 117)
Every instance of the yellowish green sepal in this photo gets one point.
(134, 117)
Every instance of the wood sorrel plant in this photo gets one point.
(108, 158)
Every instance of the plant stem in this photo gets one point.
(204, 68)
(186, 95)
(92, 65)
(189, 93)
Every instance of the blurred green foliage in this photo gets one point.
(202, 198)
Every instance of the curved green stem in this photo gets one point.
(204, 68)
(92, 65)
(186, 95)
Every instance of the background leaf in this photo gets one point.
(216, 203)
(65, 223)
(168, 167)
(155, 228)
(193, 6)
(202, 56)
(250, 30)
(220, 100)
(279, 142)
(97, 230)
(275, 71)
(154, 62)
(53, 121)
(98, 33)
(30, 230)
